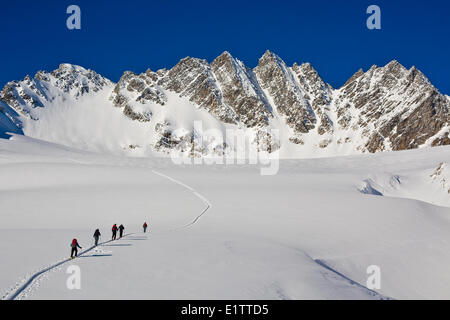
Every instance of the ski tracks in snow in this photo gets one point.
(31, 282)
(23, 288)
(198, 195)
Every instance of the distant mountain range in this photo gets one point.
(384, 108)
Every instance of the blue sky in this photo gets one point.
(136, 35)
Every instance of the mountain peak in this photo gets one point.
(417, 76)
(306, 65)
(393, 63)
(395, 67)
(226, 54)
(192, 60)
(269, 55)
(384, 108)
(270, 58)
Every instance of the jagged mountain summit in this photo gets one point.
(279, 108)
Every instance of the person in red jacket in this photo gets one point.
(114, 232)
(74, 245)
(145, 226)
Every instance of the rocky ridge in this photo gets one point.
(384, 108)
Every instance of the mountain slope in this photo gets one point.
(9, 121)
(262, 237)
(274, 106)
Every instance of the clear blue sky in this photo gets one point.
(136, 35)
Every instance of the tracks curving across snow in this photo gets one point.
(17, 291)
(201, 197)
(27, 282)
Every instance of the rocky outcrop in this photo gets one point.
(31, 93)
(275, 77)
(241, 91)
(132, 91)
(396, 108)
(141, 88)
(193, 79)
(441, 177)
(384, 108)
(23, 96)
(318, 94)
(74, 80)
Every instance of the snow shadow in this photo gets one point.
(386, 184)
(97, 255)
(117, 245)
(369, 188)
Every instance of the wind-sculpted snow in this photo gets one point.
(430, 185)
(290, 110)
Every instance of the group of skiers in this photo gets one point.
(75, 245)
(114, 231)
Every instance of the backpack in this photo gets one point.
(74, 242)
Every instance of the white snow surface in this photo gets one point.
(224, 232)
(9, 122)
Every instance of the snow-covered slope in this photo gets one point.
(276, 107)
(224, 231)
(9, 121)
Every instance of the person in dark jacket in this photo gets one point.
(74, 245)
(121, 227)
(145, 226)
(97, 235)
(114, 232)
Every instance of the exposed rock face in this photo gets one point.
(241, 91)
(397, 108)
(23, 96)
(266, 141)
(140, 89)
(278, 80)
(443, 140)
(441, 176)
(75, 80)
(37, 92)
(318, 94)
(385, 108)
(193, 78)
(167, 141)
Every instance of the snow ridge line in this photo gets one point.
(208, 205)
(323, 264)
(33, 277)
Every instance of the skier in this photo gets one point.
(97, 235)
(74, 245)
(145, 226)
(114, 231)
(121, 227)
